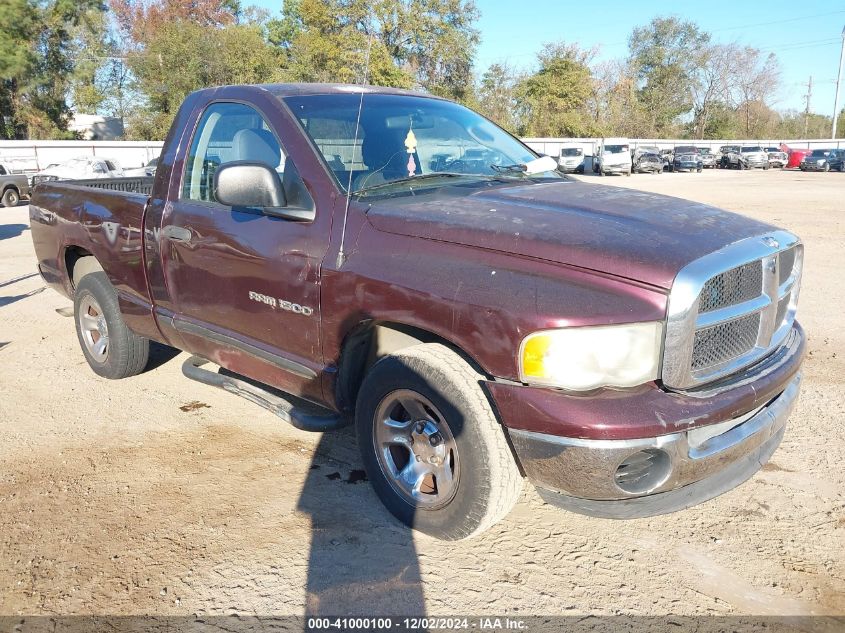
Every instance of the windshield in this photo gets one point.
(686, 150)
(615, 149)
(820, 152)
(748, 150)
(572, 151)
(402, 137)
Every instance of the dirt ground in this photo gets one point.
(158, 495)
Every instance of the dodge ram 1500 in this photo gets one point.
(394, 260)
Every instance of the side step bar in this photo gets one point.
(301, 414)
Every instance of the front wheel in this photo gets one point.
(11, 198)
(111, 349)
(432, 447)
(826, 167)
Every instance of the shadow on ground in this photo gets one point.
(8, 231)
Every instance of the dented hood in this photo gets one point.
(623, 232)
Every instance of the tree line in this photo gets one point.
(138, 59)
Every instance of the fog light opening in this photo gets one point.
(643, 471)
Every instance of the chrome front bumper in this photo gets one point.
(680, 469)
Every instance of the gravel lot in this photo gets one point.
(158, 495)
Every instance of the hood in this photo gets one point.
(631, 234)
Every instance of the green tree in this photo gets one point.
(553, 101)
(186, 56)
(497, 96)
(666, 55)
(429, 43)
(35, 64)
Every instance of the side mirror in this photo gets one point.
(257, 185)
(247, 184)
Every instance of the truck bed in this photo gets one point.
(102, 217)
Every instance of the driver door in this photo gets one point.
(244, 285)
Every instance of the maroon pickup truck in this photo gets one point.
(394, 260)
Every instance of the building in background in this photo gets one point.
(94, 127)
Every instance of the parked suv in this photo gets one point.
(13, 187)
(708, 158)
(647, 160)
(777, 157)
(748, 157)
(817, 160)
(836, 160)
(725, 155)
(687, 158)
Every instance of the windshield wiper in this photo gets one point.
(516, 168)
(406, 179)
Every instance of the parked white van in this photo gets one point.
(571, 158)
(613, 156)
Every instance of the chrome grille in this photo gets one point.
(731, 308)
(732, 287)
(786, 261)
(783, 306)
(719, 343)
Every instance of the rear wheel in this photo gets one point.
(111, 349)
(432, 447)
(11, 198)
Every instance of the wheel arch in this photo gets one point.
(78, 263)
(369, 341)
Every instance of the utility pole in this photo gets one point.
(807, 104)
(838, 80)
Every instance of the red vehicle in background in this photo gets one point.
(795, 157)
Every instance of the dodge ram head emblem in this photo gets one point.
(770, 241)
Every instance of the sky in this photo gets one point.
(806, 36)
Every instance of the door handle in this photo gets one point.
(176, 233)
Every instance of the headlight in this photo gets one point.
(583, 358)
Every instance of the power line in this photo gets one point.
(796, 19)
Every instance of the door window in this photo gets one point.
(228, 132)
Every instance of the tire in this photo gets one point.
(698, 170)
(765, 167)
(740, 165)
(659, 171)
(97, 317)
(826, 167)
(628, 173)
(445, 391)
(11, 197)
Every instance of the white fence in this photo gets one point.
(33, 156)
